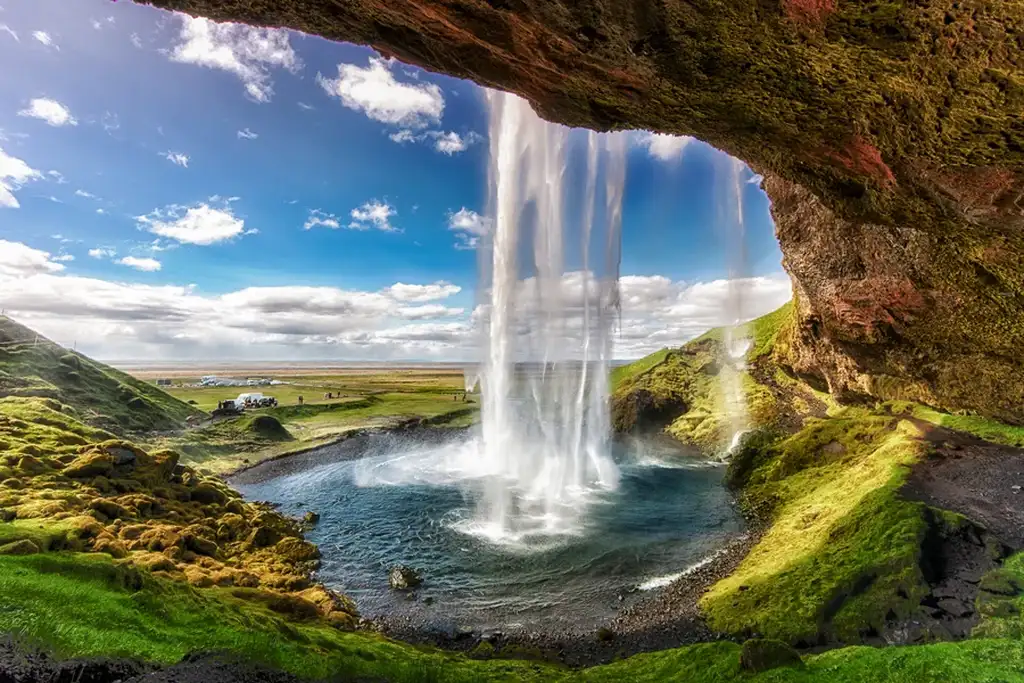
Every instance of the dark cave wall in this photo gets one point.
(892, 134)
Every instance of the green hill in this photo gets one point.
(33, 366)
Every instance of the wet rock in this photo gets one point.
(297, 550)
(764, 654)
(605, 635)
(403, 578)
(22, 547)
(310, 519)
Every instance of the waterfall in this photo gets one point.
(550, 306)
(735, 340)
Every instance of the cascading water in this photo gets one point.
(544, 440)
(735, 339)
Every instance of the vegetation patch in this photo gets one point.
(841, 554)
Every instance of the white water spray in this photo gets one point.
(735, 339)
(545, 429)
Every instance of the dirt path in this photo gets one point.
(980, 480)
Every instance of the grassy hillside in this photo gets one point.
(33, 366)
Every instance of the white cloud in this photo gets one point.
(63, 258)
(374, 215)
(664, 147)
(84, 193)
(44, 38)
(418, 294)
(306, 107)
(136, 40)
(374, 91)
(755, 179)
(451, 143)
(318, 217)
(247, 135)
(402, 321)
(51, 111)
(176, 158)
(96, 24)
(20, 260)
(13, 174)
(148, 265)
(403, 136)
(245, 51)
(4, 28)
(200, 224)
(447, 143)
(101, 211)
(57, 176)
(468, 226)
(110, 122)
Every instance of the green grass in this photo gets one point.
(981, 427)
(624, 373)
(85, 605)
(100, 395)
(842, 547)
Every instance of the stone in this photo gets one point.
(763, 654)
(310, 519)
(22, 547)
(263, 537)
(208, 494)
(605, 635)
(122, 456)
(108, 508)
(201, 546)
(402, 578)
(955, 607)
(89, 465)
(109, 544)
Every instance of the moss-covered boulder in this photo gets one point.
(92, 463)
(22, 547)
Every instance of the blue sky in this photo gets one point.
(169, 187)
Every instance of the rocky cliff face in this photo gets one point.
(892, 132)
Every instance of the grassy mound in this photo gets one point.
(841, 554)
(33, 366)
(680, 390)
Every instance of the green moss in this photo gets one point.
(842, 548)
(624, 373)
(983, 428)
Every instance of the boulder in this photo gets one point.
(764, 654)
(108, 508)
(402, 578)
(29, 464)
(107, 543)
(208, 494)
(297, 550)
(310, 519)
(89, 465)
(199, 544)
(22, 547)
(159, 539)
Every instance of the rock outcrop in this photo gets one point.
(891, 135)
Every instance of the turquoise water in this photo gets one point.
(387, 500)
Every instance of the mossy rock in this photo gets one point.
(95, 463)
(1001, 582)
(208, 494)
(108, 508)
(763, 654)
(291, 606)
(297, 550)
(22, 547)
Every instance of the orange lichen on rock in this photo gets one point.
(808, 11)
(864, 159)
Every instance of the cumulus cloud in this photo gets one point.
(247, 135)
(51, 111)
(148, 265)
(45, 38)
(451, 143)
(468, 226)
(422, 293)
(21, 260)
(245, 51)
(200, 224)
(664, 147)
(136, 40)
(321, 218)
(373, 215)
(176, 158)
(63, 258)
(13, 174)
(400, 321)
(374, 91)
(86, 194)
